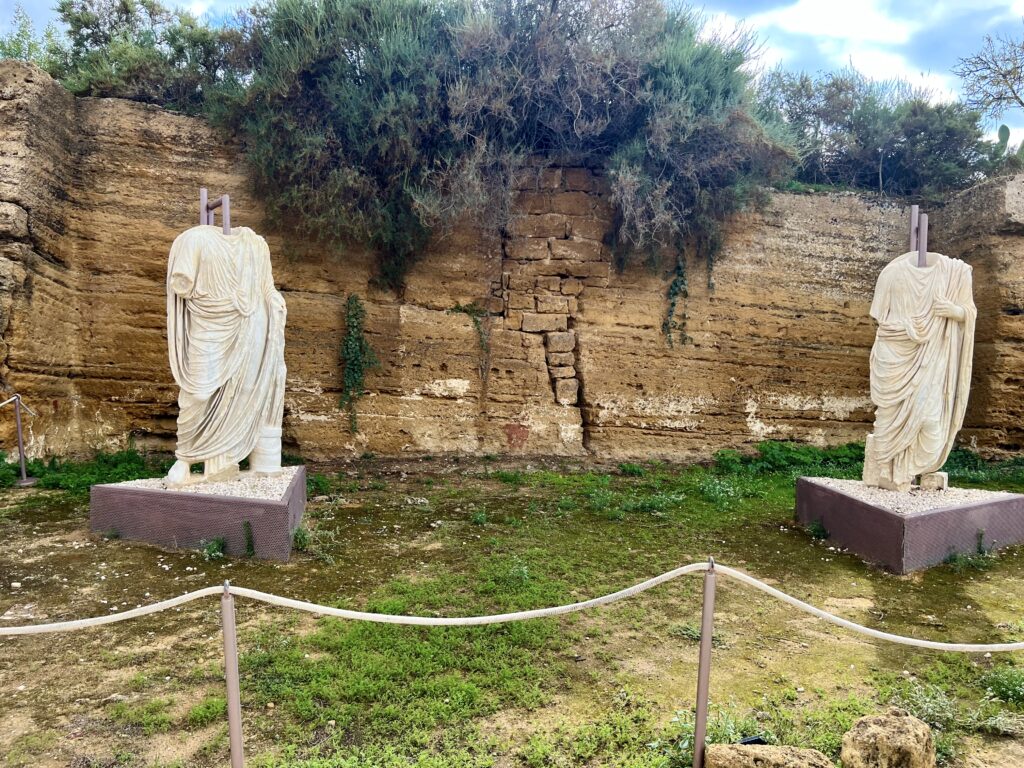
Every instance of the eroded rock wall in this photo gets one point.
(571, 359)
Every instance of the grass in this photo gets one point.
(77, 477)
(149, 717)
(1006, 684)
(210, 710)
(560, 691)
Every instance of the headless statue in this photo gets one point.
(920, 367)
(225, 339)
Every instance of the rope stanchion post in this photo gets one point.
(234, 697)
(707, 628)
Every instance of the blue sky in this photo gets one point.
(919, 40)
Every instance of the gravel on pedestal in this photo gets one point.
(914, 500)
(248, 485)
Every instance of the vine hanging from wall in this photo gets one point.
(480, 318)
(357, 357)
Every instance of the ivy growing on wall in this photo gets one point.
(357, 357)
(478, 315)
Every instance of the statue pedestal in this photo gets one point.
(907, 532)
(141, 510)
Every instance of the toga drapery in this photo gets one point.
(920, 365)
(225, 333)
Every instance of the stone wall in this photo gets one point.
(571, 359)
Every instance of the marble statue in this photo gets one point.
(225, 339)
(920, 368)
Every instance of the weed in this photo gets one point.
(77, 477)
(1005, 684)
(301, 539)
(214, 549)
(149, 717)
(479, 518)
(979, 560)
(726, 725)
(250, 541)
(817, 530)
(315, 542)
(508, 476)
(317, 485)
(209, 710)
(632, 470)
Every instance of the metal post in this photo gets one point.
(25, 479)
(922, 241)
(915, 211)
(227, 614)
(707, 628)
(204, 200)
(225, 214)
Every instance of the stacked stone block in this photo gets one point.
(554, 251)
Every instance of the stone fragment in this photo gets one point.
(561, 358)
(527, 249)
(579, 180)
(518, 282)
(567, 391)
(552, 304)
(572, 203)
(935, 481)
(544, 225)
(760, 756)
(577, 249)
(589, 227)
(534, 202)
(563, 372)
(550, 178)
(561, 342)
(571, 286)
(514, 320)
(537, 323)
(896, 739)
(589, 269)
(13, 221)
(525, 179)
(521, 301)
(548, 283)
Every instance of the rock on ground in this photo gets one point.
(896, 739)
(750, 756)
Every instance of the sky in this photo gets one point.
(918, 40)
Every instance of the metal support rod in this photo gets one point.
(226, 214)
(21, 440)
(227, 614)
(922, 241)
(204, 211)
(707, 628)
(915, 212)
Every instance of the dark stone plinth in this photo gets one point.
(183, 520)
(908, 542)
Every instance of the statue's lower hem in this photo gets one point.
(905, 542)
(261, 528)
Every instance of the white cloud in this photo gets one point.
(864, 21)
(880, 64)
(724, 25)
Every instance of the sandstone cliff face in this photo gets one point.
(572, 358)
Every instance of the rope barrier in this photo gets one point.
(450, 621)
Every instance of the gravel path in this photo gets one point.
(246, 486)
(915, 500)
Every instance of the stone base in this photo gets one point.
(175, 519)
(905, 542)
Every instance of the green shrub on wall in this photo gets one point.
(384, 120)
